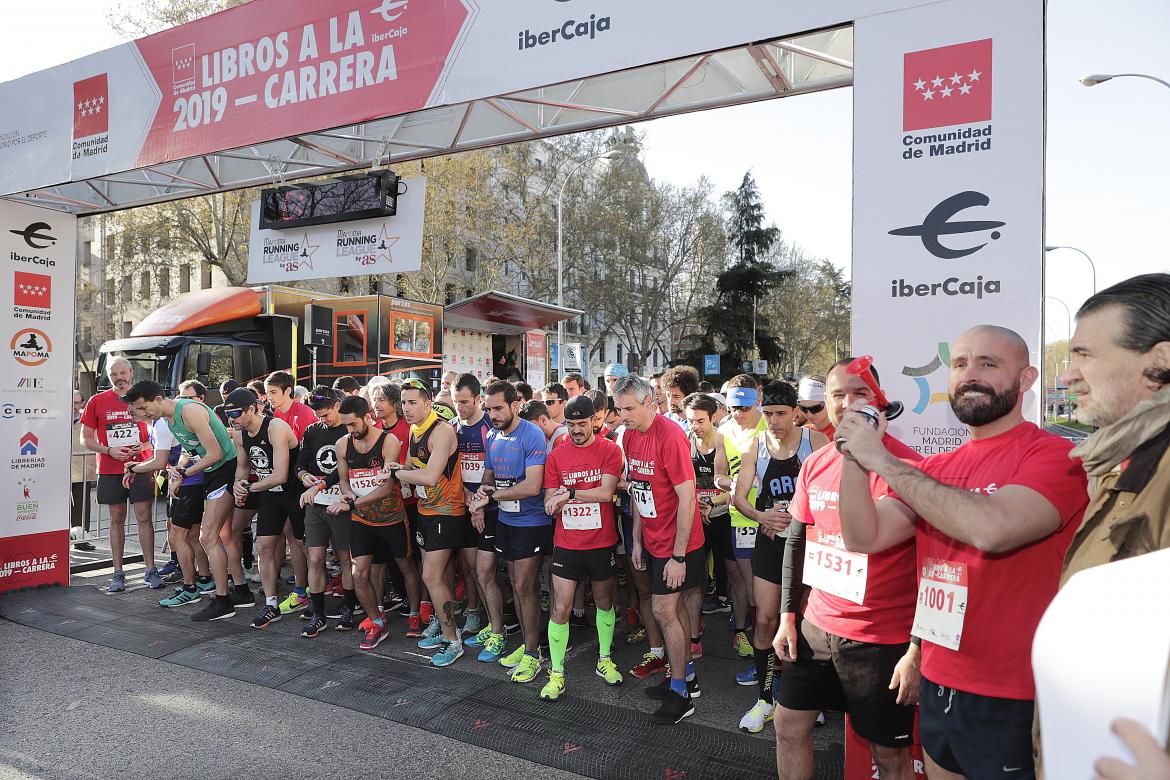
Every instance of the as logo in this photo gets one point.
(183, 67)
(28, 458)
(31, 347)
(91, 114)
(327, 459)
(937, 224)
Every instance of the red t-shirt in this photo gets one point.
(830, 430)
(299, 417)
(401, 431)
(658, 460)
(886, 611)
(110, 417)
(589, 526)
(1007, 593)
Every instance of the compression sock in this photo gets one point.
(351, 598)
(606, 620)
(300, 591)
(318, 603)
(765, 664)
(680, 687)
(558, 643)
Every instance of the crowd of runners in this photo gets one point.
(859, 577)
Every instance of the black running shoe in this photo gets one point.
(662, 687)
(217, 609)
(242, 596)
(672, 710)
(314, 627)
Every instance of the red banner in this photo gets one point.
(34, 559)
(859, 763)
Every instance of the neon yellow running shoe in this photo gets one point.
(527, 669)
(512, 659)
(608, 671)
(555, 686)
(742, 645)
(294, 603)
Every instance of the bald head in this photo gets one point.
(1002, 342)
(990, 372)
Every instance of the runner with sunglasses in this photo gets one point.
(555, 396)
(810, 400)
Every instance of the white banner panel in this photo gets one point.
(948, 195)
(368, 246)
(467, 352)
(36, 393)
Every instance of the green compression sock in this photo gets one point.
(606, 620)
(558, 642)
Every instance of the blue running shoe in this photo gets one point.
(117, 582)
(182, 596)
(493, 648)
(747, 677)
(169, 568)
(449, 653)
(205, 587)
(434, 642)
(151, 578)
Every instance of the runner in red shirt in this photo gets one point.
(109, 429)
(580, 479)
(842, 649)
(668, 532)
(992, 521)
(278, 387)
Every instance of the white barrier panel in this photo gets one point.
(948, 195)
(37, 274)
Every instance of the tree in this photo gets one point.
(745, 222)
(145, 17)
(808, 312)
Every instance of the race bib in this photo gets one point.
(942, 603)
(265, 474)
(745, 538)
(328, 496)
(122, 435)
(507, 506)
(421, 491)
(710, 494)
(471, 466)
(577, 516)
(828, 566)
(643, 497)
(361, 481)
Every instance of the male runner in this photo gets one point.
(268, 446)
(278, 387)
(744, 423)
(579, 483)
(811, 406)
(863, 605)
(472, 428)
(992, 521)
(200, 431)
(555, 396)
(536, 413)
(575, 384)
(108, 429)
(379, 530)
(668, 531)
(316, 460)
(679, 382)
(614, 372)
(432, 472)
(346, 386)
(713, 502)
(512, 479)
(770, 463)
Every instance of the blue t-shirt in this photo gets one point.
(472, 446)
(508, 457)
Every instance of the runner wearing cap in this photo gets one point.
(721, 408)
(992, 521)
(744, 423)
(614, 372)
(579, 483)
(811, 405)
(667, 537)
(770, 463)
(861, 605)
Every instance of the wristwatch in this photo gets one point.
(181, 471)
(572, 493)
(351, 501)
(678, 558)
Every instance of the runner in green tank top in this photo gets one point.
(190, 439)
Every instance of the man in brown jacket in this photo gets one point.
(1120, 373)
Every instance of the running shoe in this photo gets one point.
(205, 586)
(460, 590)
(742, 645)
(578, 621)
(335, 587)
(555, 686)
(674, 709)
(480, 636)
(493, 648)
(511, 621)
(170, 567)
(426, 611)
(527, 669)
(267, 614)
(242, 596)
(715, 604)
(747, 676)
(413, 627)
(650, 665)
(608, 671)
(365, 624)
(696, 651)
(637, 636)
(173, 578)
(375, 635)
(433, 642)
(662, 687)
(346, 622)
(433, 629)
(117, 582)
(294, 602)
(314, 627)
(217, 609)
(449, 653)
(392, 600)
(760, 713)
(472, 623)
(182, 596)
(512, 659)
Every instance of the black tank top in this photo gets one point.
(778, 482)
(704, 468)
(366, 460)
(260, 453)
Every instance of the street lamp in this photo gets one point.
(1097, 78)
(1068, 327)
(1083, 254)
(607, 155)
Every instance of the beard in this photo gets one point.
(503, 423)
(992, 406)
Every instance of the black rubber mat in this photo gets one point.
(591, 738)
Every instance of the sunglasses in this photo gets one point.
(189, 397)
(415, 384)
(233, 414)
(553, 401)
(811, 409)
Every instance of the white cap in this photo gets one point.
(718, 398)
(811, 390)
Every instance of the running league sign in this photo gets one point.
(947, 217)
(37, 250)
(384, 245)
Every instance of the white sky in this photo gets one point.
(1108, 159)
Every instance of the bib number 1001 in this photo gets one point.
(936, 599)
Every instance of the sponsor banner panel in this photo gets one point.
(37, 248)
(368, 246)
(467, 352)
(34, 559)
(535, 363)
(948, 196)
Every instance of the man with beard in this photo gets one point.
(678, 383)
(992, 521)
